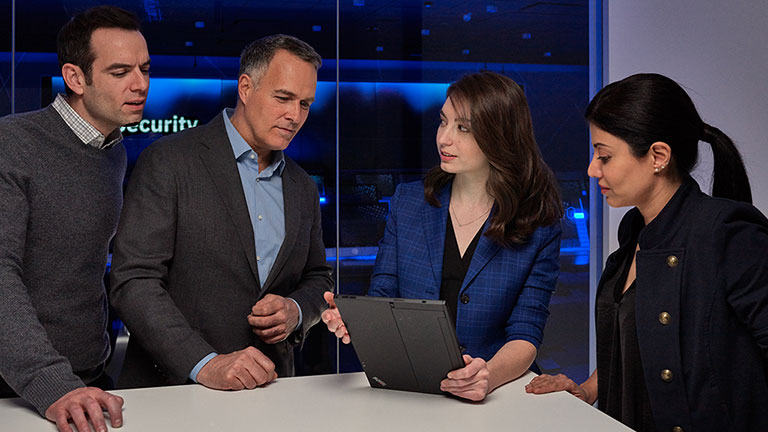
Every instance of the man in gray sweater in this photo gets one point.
(61, 175)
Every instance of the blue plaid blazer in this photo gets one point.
(508, 288)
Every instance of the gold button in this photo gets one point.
(666, 375)
(677, 429)
(672, 261)
(665, 318)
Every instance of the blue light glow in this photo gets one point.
(169, 96)
(419, 96)
(578, 215)
(323, 200)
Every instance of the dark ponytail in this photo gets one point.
(646, 108)
(729, 179)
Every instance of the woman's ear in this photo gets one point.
(661, 155)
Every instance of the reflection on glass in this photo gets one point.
(394, 63)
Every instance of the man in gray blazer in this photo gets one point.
(219, 266)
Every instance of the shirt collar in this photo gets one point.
(242, 150)
(88, 134)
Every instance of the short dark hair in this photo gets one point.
(646, 108)
(256, 56)
(73, 44)
(522, 185)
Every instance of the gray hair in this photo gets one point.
(256, 56)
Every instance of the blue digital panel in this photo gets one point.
(376, 115)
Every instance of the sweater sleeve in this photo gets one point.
(28, 361)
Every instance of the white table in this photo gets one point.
(337, 403)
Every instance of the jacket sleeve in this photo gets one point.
(530, 313)
(384, 281)
(29, 363)
(143, 252)
(742, 237)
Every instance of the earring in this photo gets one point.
(663, 166)
(656, 169)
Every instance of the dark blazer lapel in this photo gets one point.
(292, 199)
(222, 168)
(434, 221)
(485, 251)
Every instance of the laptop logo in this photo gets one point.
(379, 381)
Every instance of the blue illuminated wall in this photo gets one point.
(379, 118)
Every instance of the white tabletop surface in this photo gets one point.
(336, 403)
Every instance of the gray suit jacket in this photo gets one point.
(184, 274)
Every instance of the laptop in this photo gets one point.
(402, 344)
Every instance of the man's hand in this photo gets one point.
(83, 404)
(274, 318)
(332, 318)
(470, 382)
(247, 368)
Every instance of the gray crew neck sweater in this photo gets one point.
(60, 202)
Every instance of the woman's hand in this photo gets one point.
(553, 383)
(470, 382)
(332, 318)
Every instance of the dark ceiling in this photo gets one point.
(505, 31)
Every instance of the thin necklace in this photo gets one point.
(453, 213)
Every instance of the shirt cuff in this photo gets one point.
(199, 365)
(301, 316)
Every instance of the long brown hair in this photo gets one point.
(523, 186)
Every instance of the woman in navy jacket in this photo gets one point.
(481, 232)
(682, 306)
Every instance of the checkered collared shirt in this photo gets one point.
(88, 134)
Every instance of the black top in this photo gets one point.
(622, 393)
(455, 267)
(715, 339)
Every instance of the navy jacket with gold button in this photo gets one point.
(701, 310)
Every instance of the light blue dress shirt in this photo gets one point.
(264, 197)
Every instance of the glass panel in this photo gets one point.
(6, 34)
(195, 47)
(397, 59)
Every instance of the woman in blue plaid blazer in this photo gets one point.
(482, 232)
